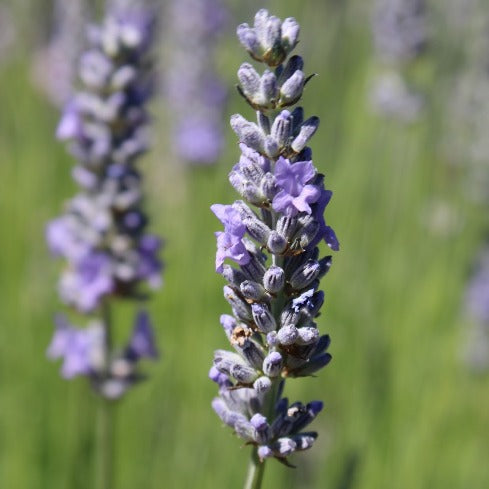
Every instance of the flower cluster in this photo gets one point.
(195, 94)
(102, 233)
(272, 236)
(83, 353)
(400, 34)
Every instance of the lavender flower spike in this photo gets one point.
(271, 237)
(102, 235)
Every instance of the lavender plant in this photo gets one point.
(272, 235)
(102, 233)
(194, 92)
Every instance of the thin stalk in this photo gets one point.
(256, 469)
(105, 445)
(105, 418)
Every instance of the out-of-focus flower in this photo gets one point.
(102, 234)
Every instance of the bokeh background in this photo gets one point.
(406, 405)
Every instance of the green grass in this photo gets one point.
(402, 411)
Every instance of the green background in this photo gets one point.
(402, 410)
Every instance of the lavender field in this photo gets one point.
(403, 97)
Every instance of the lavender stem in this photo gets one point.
(104, 470)
(105, 415)
(256, 469)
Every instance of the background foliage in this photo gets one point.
(402, 409)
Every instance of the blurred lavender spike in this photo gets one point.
(271, 240)
(195, 94)
(400, 29)
(102, 235)
(55, 64)
(400, 35)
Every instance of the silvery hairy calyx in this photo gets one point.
(102, 234)
(271, 238)
(194, 91)
(400, 36)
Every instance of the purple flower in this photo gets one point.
(273, 286)
(102, 235)
(149, 263)
(86, 284)
(142, 343)
(325, 232)
(230, 242)
(77, 347)
(70, 126)
(296, 193)
(62, 239)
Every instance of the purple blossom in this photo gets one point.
(75, 346)
(149, 263)
(325, 232)
(70, 126)
(273, 292)
(102, 234)
(142, 343)
(86, 284)
(295, 194)
(230, 242)
(63, 241)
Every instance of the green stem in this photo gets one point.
(105, 445)
(105, 417)
(255, 471)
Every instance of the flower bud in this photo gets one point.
(307, 335)
(263, 318)
(252, 291)
(244, 374)
(268, 186)
(276, 243)
(291, 90)
(268, 89)
(262, 384)
(249, 80)
(287, 335)
(303, 276)
(240, 307)
(248, 132)
(274, 279)
(307, 130)
(290, 34)
(272, 365)
(281, 128)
